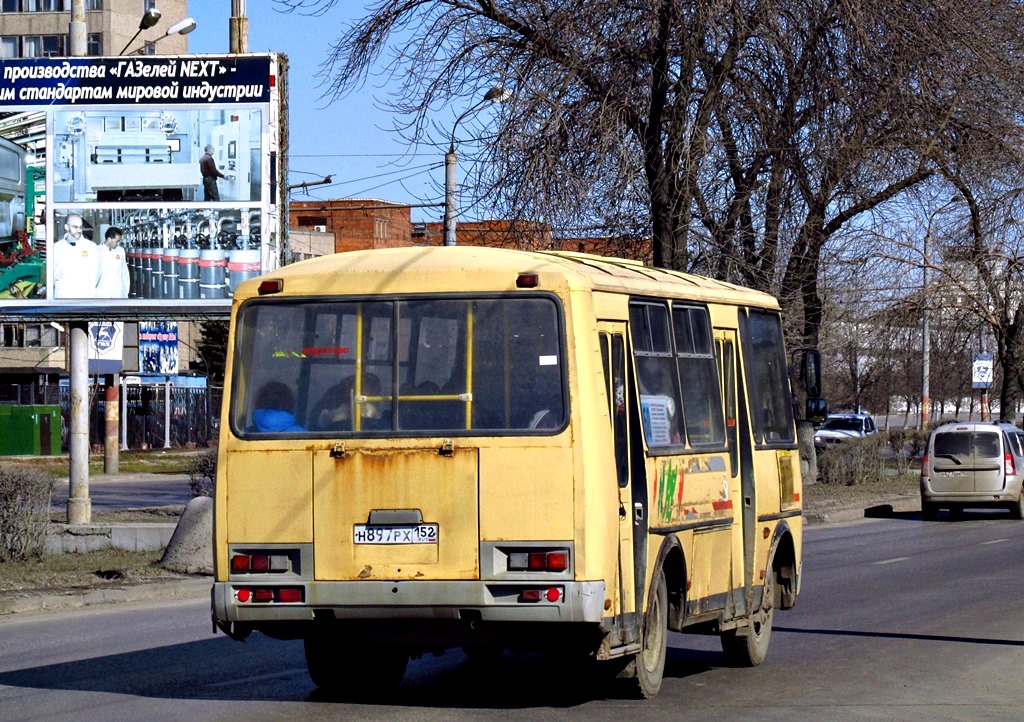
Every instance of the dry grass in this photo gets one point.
(71, 573)
(156, 461)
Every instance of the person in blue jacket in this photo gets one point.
(275, 408)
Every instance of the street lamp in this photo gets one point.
(182, 27)
(497, 94)
(926, 342)
(149, 19)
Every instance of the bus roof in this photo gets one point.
(420, 269)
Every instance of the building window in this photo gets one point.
(42, 46)
(9, 46)
(10, 6)
(29, 335)
(311, 221)
(95, 44)
(43, 6)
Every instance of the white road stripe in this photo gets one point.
(996, 541)
(258, 678)
(893, 561)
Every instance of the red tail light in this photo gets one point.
(924, 465)
(1008, 466)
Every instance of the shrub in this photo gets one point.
(854, 461)
(906, 445)
(25, 496)
(202, 472)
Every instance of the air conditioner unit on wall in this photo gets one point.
(322, 229)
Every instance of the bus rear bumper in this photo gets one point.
(470, 601)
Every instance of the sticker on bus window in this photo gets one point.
(547, 361)
(657, 414)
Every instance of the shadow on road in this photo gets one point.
(899, 635)
(262, 669)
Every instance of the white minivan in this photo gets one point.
(973, 464)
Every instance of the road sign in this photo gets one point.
(981, 371)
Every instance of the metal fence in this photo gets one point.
(194, 415)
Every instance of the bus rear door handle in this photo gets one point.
(638, 512)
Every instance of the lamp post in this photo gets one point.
(497, 94)
(149, 19)
(182, 27)
(926, 341)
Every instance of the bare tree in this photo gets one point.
(741, 136)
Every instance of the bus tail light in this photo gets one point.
(532, 596)
(539, 561)
(271, 595)
(259, 563)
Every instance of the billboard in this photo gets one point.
(142, 186)
(158, 347)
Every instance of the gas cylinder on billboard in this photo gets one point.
(132, 258)
(170, 266)
(188, 273)
(242, 265)
(156, 279)
(146, 287)
(213, 266)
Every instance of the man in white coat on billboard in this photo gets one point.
(114, 278)
(76, 262)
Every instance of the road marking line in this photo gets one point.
(892, 561)
(258, 678)
(996, 541)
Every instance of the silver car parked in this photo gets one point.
(973, 465)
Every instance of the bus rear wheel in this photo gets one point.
(751, 647)
(646, 670)
(350, 668)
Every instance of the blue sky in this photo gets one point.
(343, 139)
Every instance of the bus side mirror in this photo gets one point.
(812, 372)
(816, 409)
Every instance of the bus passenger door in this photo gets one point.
(632, 522)
(740, 483)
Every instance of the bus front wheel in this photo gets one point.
(351, 669)
(751, 647)
(645, 671)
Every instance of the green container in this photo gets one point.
(29, 430)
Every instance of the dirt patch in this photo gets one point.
(820, 499)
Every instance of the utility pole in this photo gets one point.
(79, 503)
(926, 343)
(238, 27)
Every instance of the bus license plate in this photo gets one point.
(395, 534)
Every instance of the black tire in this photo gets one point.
(750, 648)
(645, 671)
(487, 653)
(342, 667)
(1017, 510)
(929, 511)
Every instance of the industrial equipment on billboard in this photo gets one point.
(145, 184)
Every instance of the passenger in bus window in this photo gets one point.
(333, 412)
(275, 408)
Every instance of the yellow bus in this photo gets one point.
(500, 450)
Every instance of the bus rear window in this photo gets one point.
(417, 366)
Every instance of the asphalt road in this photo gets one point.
(129, 491)
(897, 619)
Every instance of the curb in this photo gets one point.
(881, 509)
(185, 589)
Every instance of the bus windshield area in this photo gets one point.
(391, 367)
